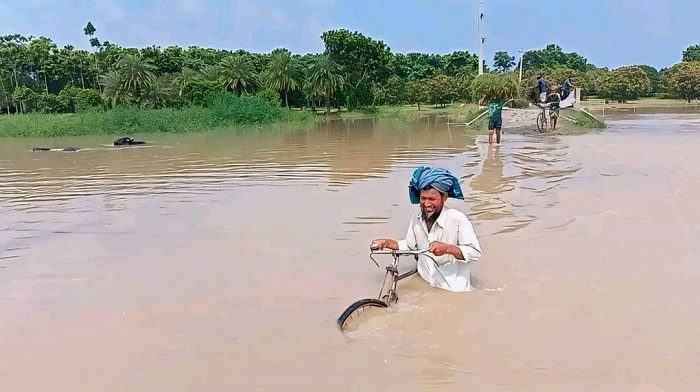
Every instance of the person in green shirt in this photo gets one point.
(495, 106)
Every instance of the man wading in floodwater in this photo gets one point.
(446, 232)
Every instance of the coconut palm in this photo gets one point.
(325, 76)
(284, 73)
(158, 94)
(113, 90)
(238, 74)
(213, 73)
(184, 78)
(138, 73)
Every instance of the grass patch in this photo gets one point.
(581, 119)
(226, 112)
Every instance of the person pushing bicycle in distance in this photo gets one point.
(553, 99)
(446, 232)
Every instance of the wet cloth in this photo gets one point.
(438, 178)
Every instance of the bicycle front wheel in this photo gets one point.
(360, 311)
(541, 122)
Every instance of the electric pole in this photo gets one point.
(481, 37)
(522, 52)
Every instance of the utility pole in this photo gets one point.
(522, 53)
(481, 37)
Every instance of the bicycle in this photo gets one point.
(543, 120)
(392, 273)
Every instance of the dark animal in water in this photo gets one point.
(48, 149)
(127, 141)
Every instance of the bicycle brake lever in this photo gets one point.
(375, 261)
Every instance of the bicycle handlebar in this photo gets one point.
(398, 252)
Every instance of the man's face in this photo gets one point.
(431, 203)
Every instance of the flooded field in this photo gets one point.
(220, 262)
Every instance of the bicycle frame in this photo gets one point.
(392, 270)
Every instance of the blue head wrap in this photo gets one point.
(440, 179)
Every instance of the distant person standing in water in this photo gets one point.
(495, 106)
(541, 89)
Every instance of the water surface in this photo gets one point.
(221, 262)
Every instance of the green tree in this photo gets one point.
(460, 61)
(396, 91)
(239, 75)
(556, 77)
(87, 99)
(202, 92)
(363, 60)
(283, 73)
(692, 53)
(24, 96)
(551, 57)
(113, 90)
(503, 62)
(443, 89)
(419, 92)
(684, 80)
(654, 77)
(138, 75)
(593, 79)
(326, 78)
(625, 83)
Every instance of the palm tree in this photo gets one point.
(238, 74)
(182, 79)
(138, 73)
(158, 94)
(113, 90)
(326, 78)
(212, 73)
(283, 73)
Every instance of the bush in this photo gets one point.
(202, 92)
(270, 96)
(87, 99)
(226, 111)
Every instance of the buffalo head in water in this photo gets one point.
(127, 141)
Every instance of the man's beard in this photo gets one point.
(430, 217)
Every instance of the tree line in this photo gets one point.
(354, 71)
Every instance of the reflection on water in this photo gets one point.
(87, 187)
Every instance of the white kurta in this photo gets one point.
(454, 228)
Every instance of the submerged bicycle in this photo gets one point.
(384, 300)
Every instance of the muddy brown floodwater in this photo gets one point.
(220, 262)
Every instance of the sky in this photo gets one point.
(609, 33)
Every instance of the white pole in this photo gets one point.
(522, 52)
(481, 37)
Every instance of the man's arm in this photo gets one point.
(468, 248)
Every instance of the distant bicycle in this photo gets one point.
(544, 122)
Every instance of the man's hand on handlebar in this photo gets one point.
(384, 243)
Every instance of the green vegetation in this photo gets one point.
(224, 112)
(495, 86)
(89, 91)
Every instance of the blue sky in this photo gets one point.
(608, 32)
